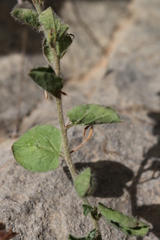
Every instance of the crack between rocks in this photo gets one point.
(115, 40)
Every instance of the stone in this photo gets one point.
(125, 157)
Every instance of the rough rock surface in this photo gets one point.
(114, 61)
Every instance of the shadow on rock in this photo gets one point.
(111, 177)
(151, 213)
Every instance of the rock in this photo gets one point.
(125, 157)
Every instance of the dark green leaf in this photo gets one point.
(47, 50)
(38, 149)
(87, 209)
(63, 44)
(84, 183)
(26, 16)
(129, 225)
(90, 114)
(92, 235)
(46, 78)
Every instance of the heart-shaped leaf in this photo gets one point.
(90, 114)
(26, 16)
(129, 225)
(38, 149)
(47, 79)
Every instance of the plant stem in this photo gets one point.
(62, 123)
(64, 136)
(65, 139)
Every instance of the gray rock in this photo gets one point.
(125, 157)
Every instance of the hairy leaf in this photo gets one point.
(90, 114)
(129, 225)
(46, 18)
(26, 16)
(63, 44)
(38, 149)
(55, 32)
(47, 79)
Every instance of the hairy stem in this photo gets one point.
(65, 139)
(62, 123)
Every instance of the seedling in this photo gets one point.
(40, 148)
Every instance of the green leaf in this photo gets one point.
(38, 149)
(87, 209)
(129, 225)
(46, 18)
(63, 44)
(55, 32)
(47, 50)
(84, 183)
(92, 235)
(90, 114)
(26, 16)
(47, 79)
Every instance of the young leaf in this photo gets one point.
(55, 32)
(38, 149)
(46, 18)
(63, 44)
(84, 184)
(87, 209)
(90, 114)
(92, 235)
(47, 50)
(46, 78)
(26, 16)
(129, 225)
